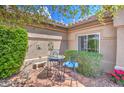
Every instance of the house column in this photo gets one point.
(119, 24)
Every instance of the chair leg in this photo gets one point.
(75, 77)
(71, 82)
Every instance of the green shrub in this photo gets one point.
(89, 62)
(13, 46)
(71, 55)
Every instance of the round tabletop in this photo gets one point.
(56, 58)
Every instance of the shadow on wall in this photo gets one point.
(63, 46)
(38, 42)
(46, 32)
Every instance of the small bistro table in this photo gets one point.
(57, 58)
(56, 61)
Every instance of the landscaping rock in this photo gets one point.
(5, 83)
(29, 77)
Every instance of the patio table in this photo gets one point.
(56, 59)
(59, 59)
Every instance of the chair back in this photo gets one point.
(54, 52)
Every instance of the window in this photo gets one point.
(89, 43)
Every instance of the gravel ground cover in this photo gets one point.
(31, 78)
(102, 81)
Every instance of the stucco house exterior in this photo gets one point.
(109, 38)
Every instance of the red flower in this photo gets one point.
(117, 77)
(119, 72)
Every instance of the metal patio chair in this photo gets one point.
(72, 64)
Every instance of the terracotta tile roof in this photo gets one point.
(56, 23)
(86, 20)
(83, 21)
(80, 22)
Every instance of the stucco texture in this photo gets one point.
(107, 43)
(111, 40)
(119, 24)
(40, 38)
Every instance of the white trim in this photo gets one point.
(84, 34)
(31, 59)
(35, 58)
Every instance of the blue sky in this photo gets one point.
(57, 16)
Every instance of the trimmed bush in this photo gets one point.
(71, 55)
(13, 46)
(89, 62)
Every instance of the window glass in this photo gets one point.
(88, 43)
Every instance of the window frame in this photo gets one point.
(77, 36)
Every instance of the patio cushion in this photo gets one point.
(70, 64)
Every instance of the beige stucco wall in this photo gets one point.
(120, 47)
(111, 40)
(119, 24)
(63, 41)
(41, 37)
(107, 43)
(119, 19)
